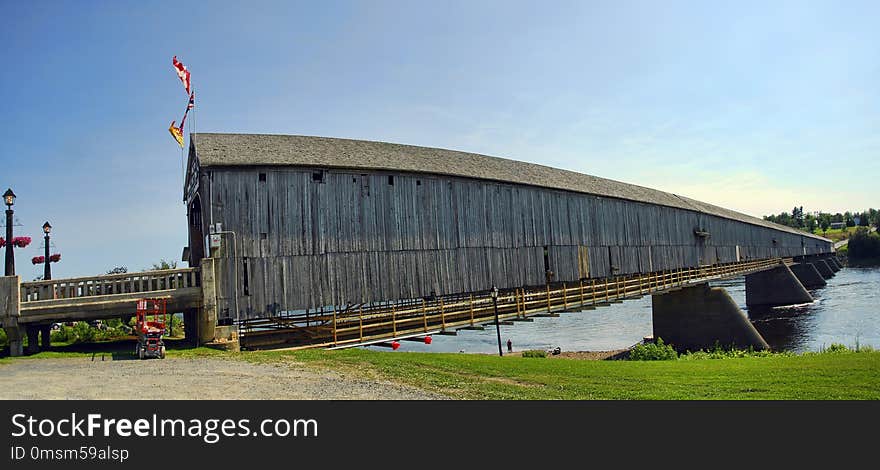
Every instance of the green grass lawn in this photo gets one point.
(830, 376)
(836, 234)
(811, 376)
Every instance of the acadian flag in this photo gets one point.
(176, 133)
(182, 73)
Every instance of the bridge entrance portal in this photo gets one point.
(196, 236)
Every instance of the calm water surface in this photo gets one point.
(845, 311)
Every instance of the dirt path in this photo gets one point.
(189, 378)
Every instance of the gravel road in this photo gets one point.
(187, 379)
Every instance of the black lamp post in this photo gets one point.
(47, 271)
(497, 326)
(9, 199)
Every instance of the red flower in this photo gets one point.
(2, 242)
(38, 259)
(21, 242)
(55, 257)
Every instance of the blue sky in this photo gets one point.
(754, 106)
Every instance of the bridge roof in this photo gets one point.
(213, 149)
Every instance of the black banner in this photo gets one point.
(262, 434)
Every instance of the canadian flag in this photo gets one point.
(182, 72)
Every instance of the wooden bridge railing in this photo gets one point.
(361, 324)
(146, 281)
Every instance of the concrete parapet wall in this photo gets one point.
(808, 275)
(10, 312)
(775, 287)
(697, 317)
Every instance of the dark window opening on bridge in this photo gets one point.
(391, 180)
(264, 236)
(263, 177)
(548, 273)
(354, 180)
(418, 182)
(702, 232)
(245, 281)
(546, 258)
(318, 176)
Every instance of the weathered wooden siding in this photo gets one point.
(313, 237)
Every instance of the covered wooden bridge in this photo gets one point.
(325, 241)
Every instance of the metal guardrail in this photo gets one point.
(146, 281)
(361, 324)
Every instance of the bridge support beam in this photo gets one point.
(45, 337)
(33, 337)
(698, 317)
(836, 261)
(808, 275)
(190, 326)
(823, 268)
(775, 287)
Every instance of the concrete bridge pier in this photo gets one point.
(808, 275)
(823, 268)
(775, 287)
(836, 261)
(700, 316)
(831, 264)
(13, 337)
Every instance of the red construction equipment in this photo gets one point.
(151, 319)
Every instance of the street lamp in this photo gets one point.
(497, 326)
(9, 199)
(47, 271)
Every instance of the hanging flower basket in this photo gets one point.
(38, 259)
(2, 242)
(55, 257)
(21, 242)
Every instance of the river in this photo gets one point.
(845, 311)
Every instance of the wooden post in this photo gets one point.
(393, 320)
(593, 290)
(334, 325)
(548, 298)
(516, 300)
(442, 315)
(425, 315)
(471, 305)
(582, 292)
(607, 291)
(361, 322)
(564, 297)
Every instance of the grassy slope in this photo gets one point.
(475, 376)
(836, 234)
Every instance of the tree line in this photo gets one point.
(823, 220)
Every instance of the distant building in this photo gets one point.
(837, 225)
